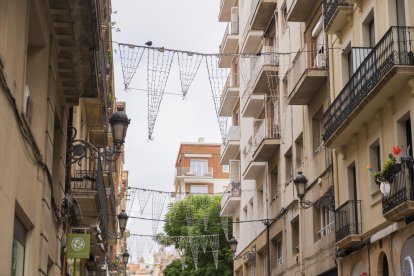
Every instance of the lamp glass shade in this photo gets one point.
(119, 125)
(122, 220)
(125, 257)
(300, 182)
(233, 244)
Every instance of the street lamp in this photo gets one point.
(249, 255)
(122, 219)
(119, 125)
(300, 183)
(80, 149)
(233, 245)
(125, 257)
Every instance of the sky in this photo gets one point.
(183, 25)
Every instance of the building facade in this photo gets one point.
(276, 102)
(371, 90)
(322, 87)
(198, 169)
(56, 75)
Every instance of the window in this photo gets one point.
(264, 263)
(279, 252)
(289, 165)
(299, 151)
(252, 269)
(273, 183)
(295, 235)
(324, 222)
(199, 189)
(18, 250)
(317, 129)
(199, 167)
(350, 65)
(371, 30)
(375, 155)
(375, 160)
(226, 168)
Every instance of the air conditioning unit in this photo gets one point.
(27, 104)
(320, 60)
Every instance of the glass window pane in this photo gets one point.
(17, 258)
(196, 189)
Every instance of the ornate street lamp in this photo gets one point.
(300, 183)
(233, 245)
(80, 149)
(249, 255)
(125, 257)
(119, 125)
(122, 219)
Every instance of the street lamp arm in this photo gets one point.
(80, 149)
(331, 206)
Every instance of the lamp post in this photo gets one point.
(125, 258)
(122, 220)
(250, 255)
(300, 182)
(79, 149)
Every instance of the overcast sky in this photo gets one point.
(180, 24)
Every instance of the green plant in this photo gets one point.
(381, 176)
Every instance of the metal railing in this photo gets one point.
(402, 188)
(226, 86)
(394, 48)
(83, 181)
(330, 7)
(232, 190)
(310, 57)
(262, 131)
(231, 29)
(348, 219)
(187, 171)
(233, 134)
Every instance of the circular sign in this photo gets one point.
(78, 244)
(407, 267)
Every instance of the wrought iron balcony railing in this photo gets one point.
(195, 172)
(330, 7)
(401, 186)
(348, 219)
(394, 49)
(233, 190)
(102, 205)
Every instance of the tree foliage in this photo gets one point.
(176, 225)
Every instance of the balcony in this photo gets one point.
(253, 170)
(253, 105)
(266, 140)
(225, 10)
(252, 41)
(336, 14)
(381, 75)
(307, 75)
(89, 190)
(192, 172)
(229, 44)
(300, 10)
(258, 85)
(400, 202)
(263, 13)
(230, 201)
(231, 148)
(348, 226)
(229, 99)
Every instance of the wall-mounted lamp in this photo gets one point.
(300, 182)
(249, 255)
